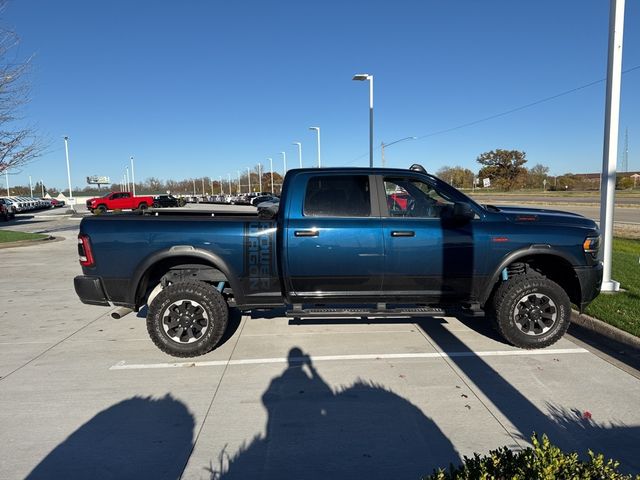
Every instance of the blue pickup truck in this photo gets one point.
(344, 242)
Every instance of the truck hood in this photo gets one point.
(545, 216)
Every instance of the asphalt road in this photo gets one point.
(86, 396)
(624, 200)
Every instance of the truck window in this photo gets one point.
(413, 198)
(338, 196)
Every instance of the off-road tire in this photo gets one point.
(514, 294)
(201, 293)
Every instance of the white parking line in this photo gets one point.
(329, 358)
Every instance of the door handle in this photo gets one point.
(306, 233)
(403, 233)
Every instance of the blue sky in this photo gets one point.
(197, 88)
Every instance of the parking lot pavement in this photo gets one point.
(83, 395)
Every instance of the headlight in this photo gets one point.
(591, 245)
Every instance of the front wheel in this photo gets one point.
(187, 319)
(531, 311)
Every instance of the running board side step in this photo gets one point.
(364, 312)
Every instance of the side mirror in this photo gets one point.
(463, 212)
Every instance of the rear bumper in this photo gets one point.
(90, 290)
(590, 282)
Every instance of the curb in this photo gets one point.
(604, 329)
(25, 243)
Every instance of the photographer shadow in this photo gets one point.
(363, 430)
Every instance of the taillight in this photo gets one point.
(84, 251)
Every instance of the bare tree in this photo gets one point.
(19, 144)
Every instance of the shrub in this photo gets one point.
(543, 461)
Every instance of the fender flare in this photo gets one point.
(516, 255)
(184, 251)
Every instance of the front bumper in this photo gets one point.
(90, 290)
(590, 282)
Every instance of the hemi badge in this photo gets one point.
(499, 239)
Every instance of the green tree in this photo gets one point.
(503, 167)
(457, 176)
(536, 176)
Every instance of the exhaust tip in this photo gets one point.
(120, 312)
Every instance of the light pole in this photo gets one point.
(271, 166)
(6, 179)
(284, 159)
(239, 183)
(133, 177)
(384, 145)
(362, 77)
(221, 189)
(610, 150)
(249, 177)
(127, 177)
(229, 175)
(299, 151)
(194, 186)
(30, 187)
(317, 129)
(42, 187)
(66, 151)
(260, 176)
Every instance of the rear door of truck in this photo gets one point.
(333, 248)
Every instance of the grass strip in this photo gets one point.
(622, 309)
(7, 236)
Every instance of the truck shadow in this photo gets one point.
(314, 431)
(140, 438)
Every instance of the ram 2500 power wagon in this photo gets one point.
(345, 242)
(119, 201)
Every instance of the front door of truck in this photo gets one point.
(427, 257)
(333, 243)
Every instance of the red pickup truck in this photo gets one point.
(119, 201)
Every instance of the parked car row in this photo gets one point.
(26, 204)
(243, 199)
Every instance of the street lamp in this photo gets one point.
(249, 177)
(271, 166)
(260, 176)
(229, 175)
(133, 178)
(299, 151)
(221, 187)
(239, 183)
(66, 151)
(6, 178)
(362, 77)
(384, 145)
(284, 159)
(42, 187)
(317, 129)
(30, 187)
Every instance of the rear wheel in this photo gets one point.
(187, 319)
(156, 205)
(143, 206)
(531, 311)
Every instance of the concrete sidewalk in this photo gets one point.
(86, 396)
